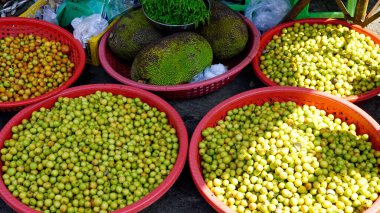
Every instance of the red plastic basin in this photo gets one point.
(267, 37)
(120, 71)
(147, 97)
(331, 104)
(14, 26)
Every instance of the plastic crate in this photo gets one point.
(72, 9)
(92, 46)
(31, 11)
(239, 7)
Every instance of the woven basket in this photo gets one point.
(15, 26)
(121, 71)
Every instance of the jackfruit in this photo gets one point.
(226, 32)
(132, 33)
(175, 59)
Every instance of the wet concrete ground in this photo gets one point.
(183, 196)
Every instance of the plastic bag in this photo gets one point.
(86, 27)
(116, 7)
(49, 15)
(210, 72)
(71, 9)
(266, 14)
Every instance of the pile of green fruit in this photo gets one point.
(281, 157)
(161, 59)
(329, 58)
(96, 153)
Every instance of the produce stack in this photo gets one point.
(150, 39)
(326, 55)
(286, 149)
(32, 66)
(283, 149)
(38, 61)
(94, 148)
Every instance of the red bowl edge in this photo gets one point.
(149, 199)
(267, 37)
(76, 73)
(253, 51)
(193, 157)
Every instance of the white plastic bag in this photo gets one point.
(49, 15)
(210, 72)
(87, 27)
(266, 14)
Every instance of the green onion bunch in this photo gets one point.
(177, 12)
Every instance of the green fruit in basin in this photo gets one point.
(281, 157)
(325, 57)
(95, 153)
(226, 32)
(173, 60)
(132, 33)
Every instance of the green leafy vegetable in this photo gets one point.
(177, 12)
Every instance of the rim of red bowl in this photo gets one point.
(76, 73)
(156, 101)
(267, 37)
(195, 166)
(252, 52)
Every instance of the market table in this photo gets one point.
(183, 196)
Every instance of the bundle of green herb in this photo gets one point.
(177, 12)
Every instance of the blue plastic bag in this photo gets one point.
(116, 7)
(266, 14)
